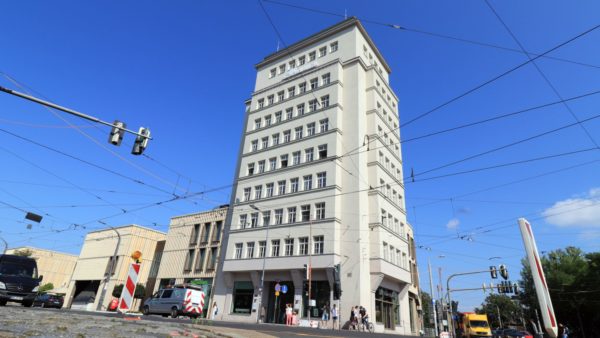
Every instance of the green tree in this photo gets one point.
(46, 287)
(510, 312)
(427, 309)
(140, 291)
(23, 252)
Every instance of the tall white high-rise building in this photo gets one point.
(319, 183)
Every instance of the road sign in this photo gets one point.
(277, 287)
(276, 293)
(126, 299)
(284, 288)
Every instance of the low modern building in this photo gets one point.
(56, 267)
(192, 250)
(89, 286)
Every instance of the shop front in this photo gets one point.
(387, 309)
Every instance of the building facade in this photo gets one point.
(88, 286)
(192, 250)
(319, 183)
(56, 267)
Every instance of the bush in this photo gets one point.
(140, 291)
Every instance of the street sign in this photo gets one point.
(277, 287)
(284, 288)
(276, 293)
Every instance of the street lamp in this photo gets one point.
(112, 266)
(262, 277)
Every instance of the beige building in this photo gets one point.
(192, 250)
(414, 296)
(56, 267)
(88, 281)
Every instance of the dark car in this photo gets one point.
(19, 280)
(49, 300)
(511, 333)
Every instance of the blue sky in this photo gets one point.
(184, 69)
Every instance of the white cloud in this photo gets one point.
(453, 223)
(581, 211)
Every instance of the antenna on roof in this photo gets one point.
(278, 45)
(345, 13)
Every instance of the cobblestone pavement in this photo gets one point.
(35, 322)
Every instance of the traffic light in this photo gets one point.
(337, 285)
(515, 288)
(305, 287)
(116, 133)
(503, 271)
(306, 272)
(141, 141)
(493, 272)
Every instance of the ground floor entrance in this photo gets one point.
(386, 308)
(277, 301)
(85, 294)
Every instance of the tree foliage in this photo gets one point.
(23, 253)
(572, 278)
(46, 287)
(510, 311)
(427, 309)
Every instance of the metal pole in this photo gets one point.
(5, 245)
(262, 277)
(432, 298)
(310, 248)
(66, 110)
(113, 262)
(499, 317)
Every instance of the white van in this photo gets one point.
(185, 300)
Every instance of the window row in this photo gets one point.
(278, 248)
(383, 94)
(395, 256)
(388, 116)
(287, 136)
(199, 264)
(291, 91)
(390, 167)
(371, 60)
(284, 160)
(390, 193)
(202, 232)
(392, 223)
(312, 56)
(283, 188)
(388, 141)
(293, 215)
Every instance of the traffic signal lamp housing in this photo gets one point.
(493, 272)
(141, 141)
(337, 286)
(116, 133)
(504, 271)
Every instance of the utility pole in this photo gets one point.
(310, 249)
(432, 299)
(262, 276)
(112, 266)
(5, 245)
(499, 318)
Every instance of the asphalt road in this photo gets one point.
(267, 329)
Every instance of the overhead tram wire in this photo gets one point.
(546, 79)
(439, 35)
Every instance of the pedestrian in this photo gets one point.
(563, 331)
(215, 311)
(334, 317)
(288, 314)
(325, 316)
(357, 317)
(263, 313)
(351, 317)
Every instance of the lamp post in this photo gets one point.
(111, 267)
(262, 277)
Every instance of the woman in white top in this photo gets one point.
(288, 314)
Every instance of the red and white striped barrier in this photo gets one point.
(194, 301)
(129, 288)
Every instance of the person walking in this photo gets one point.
(334, 317)
(325, 316)
(215, 311)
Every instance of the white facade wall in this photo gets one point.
(355, 227)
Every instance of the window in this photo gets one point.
(333, 47)
(302, 87)
(272, 73)
(280, 96)
(217, 231)
(310, 129)
(307, 182)
(275, 248)
(289, 113)
(275, 138)
(312, 105)
(254, 145)
(269, 190)
(289, 246)
(261, 166)
(295, 158)
(243, 221)
(200, 260)
(266, 218)
(206, 234)
(305, 213)
(243, 293)
(321, 180)
(312, 56)
(325, 79)
(383, 217)
(324, 125)
(262, 248)
(188, 260)
(257, 192)
(250, 250)
(318, 245)
(292, 215)
(303, 247)
(254, 219)
(273, 163)
(278, 216)
(270, 100)
(396, 225)
(284, 161)
(308, 155)
(322, 51)
(261, 103)
(300, 109)
(238, 250)
(257, 123)
(320, 210)
(286, 136)
(264, 144)
(314, 83)
(322, 151)
(281, 188)
(247, 194)
(298, 133)
(325, 101)
(281, 69)
(385, 251)
(302, 60)
(291, 91)
(267, 120)
(195, 233)
(278, 117)
(294, 185)
(392, 255)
